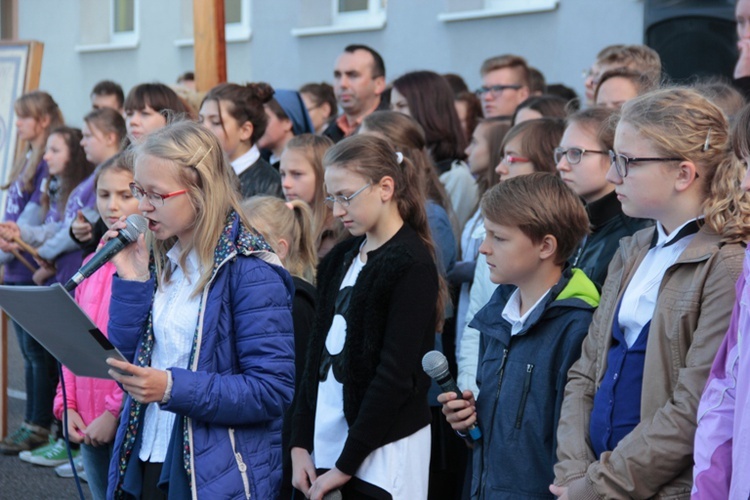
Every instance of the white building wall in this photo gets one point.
(561, 43)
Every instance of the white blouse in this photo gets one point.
(175, 318)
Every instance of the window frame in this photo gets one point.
(373, 19)
(500, 8)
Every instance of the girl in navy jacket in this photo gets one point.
(206, 328)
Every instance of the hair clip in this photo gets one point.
(707, 144)
(289, 205)
(399, 157)
(203, 158)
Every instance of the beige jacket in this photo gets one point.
(691, 317)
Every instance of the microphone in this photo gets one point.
(135, 226)
(435, 365)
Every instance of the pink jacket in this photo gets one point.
(722, 441)
(91, 397)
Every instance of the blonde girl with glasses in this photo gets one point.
(629, 416)
(206, 329)
(362, 409)
(583, 162)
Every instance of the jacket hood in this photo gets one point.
(238, 238)
(580, 287)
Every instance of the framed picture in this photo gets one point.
(20, 68)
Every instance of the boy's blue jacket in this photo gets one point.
(522, 381)
(242, 381)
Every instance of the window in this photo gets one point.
(123, 25)
(121, 32)
(236, 22)
(345, 16)
(477, 9)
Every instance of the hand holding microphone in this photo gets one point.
(459, 407)
(132, 261)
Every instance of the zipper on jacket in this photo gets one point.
(240, 464)
(486, 439)
(526, 388)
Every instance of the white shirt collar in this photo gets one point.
(512, 311)
(192, 263)
(663, 238)
(246, 160)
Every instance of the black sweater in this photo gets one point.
(391, 325)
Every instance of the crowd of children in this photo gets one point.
(580, 268)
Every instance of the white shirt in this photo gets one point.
(175, 318)
(639, 299)
(402, 467)
(245, 161)
(512, 311)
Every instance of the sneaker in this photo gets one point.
(83, 476)
(26, 454)
(65, 470)
(53, 456)
(26, 437)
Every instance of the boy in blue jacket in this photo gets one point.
(531, 333)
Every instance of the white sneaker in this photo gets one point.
(65, 470)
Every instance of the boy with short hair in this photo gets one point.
(531, 333)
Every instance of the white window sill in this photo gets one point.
(511, 10)
(106, 47)
(341, 28)
(245, 36)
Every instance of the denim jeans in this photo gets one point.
(96, 464)
(40, 374)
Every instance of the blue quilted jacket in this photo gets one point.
(241, 382)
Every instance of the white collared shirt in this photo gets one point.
(245, 161)
(175, 318)
(512, 311)
(639, 299)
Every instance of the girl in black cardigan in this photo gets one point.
(362, 404)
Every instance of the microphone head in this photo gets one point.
(434, 364)
(135, 225)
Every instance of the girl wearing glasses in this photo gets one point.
(207, 331)
(629, 415)
(583, 162)
(362, 404)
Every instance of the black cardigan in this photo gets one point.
(391, 325)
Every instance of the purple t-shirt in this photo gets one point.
(15, 202)
(83, 197)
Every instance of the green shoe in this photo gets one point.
(52, 457)
(27, 437)
(26, 454)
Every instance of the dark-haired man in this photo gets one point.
(107, 94)
(358, 82)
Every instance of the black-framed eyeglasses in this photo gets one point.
(155, 199)
(344, 201)
(622, 162)
(496, 90)
(574, 155)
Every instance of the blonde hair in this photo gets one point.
(37, 105)
(201, 167)
(292, 221)
(313, 148)
(680, 122)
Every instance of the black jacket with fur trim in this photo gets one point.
(390, 326)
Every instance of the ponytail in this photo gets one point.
(292, 222)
